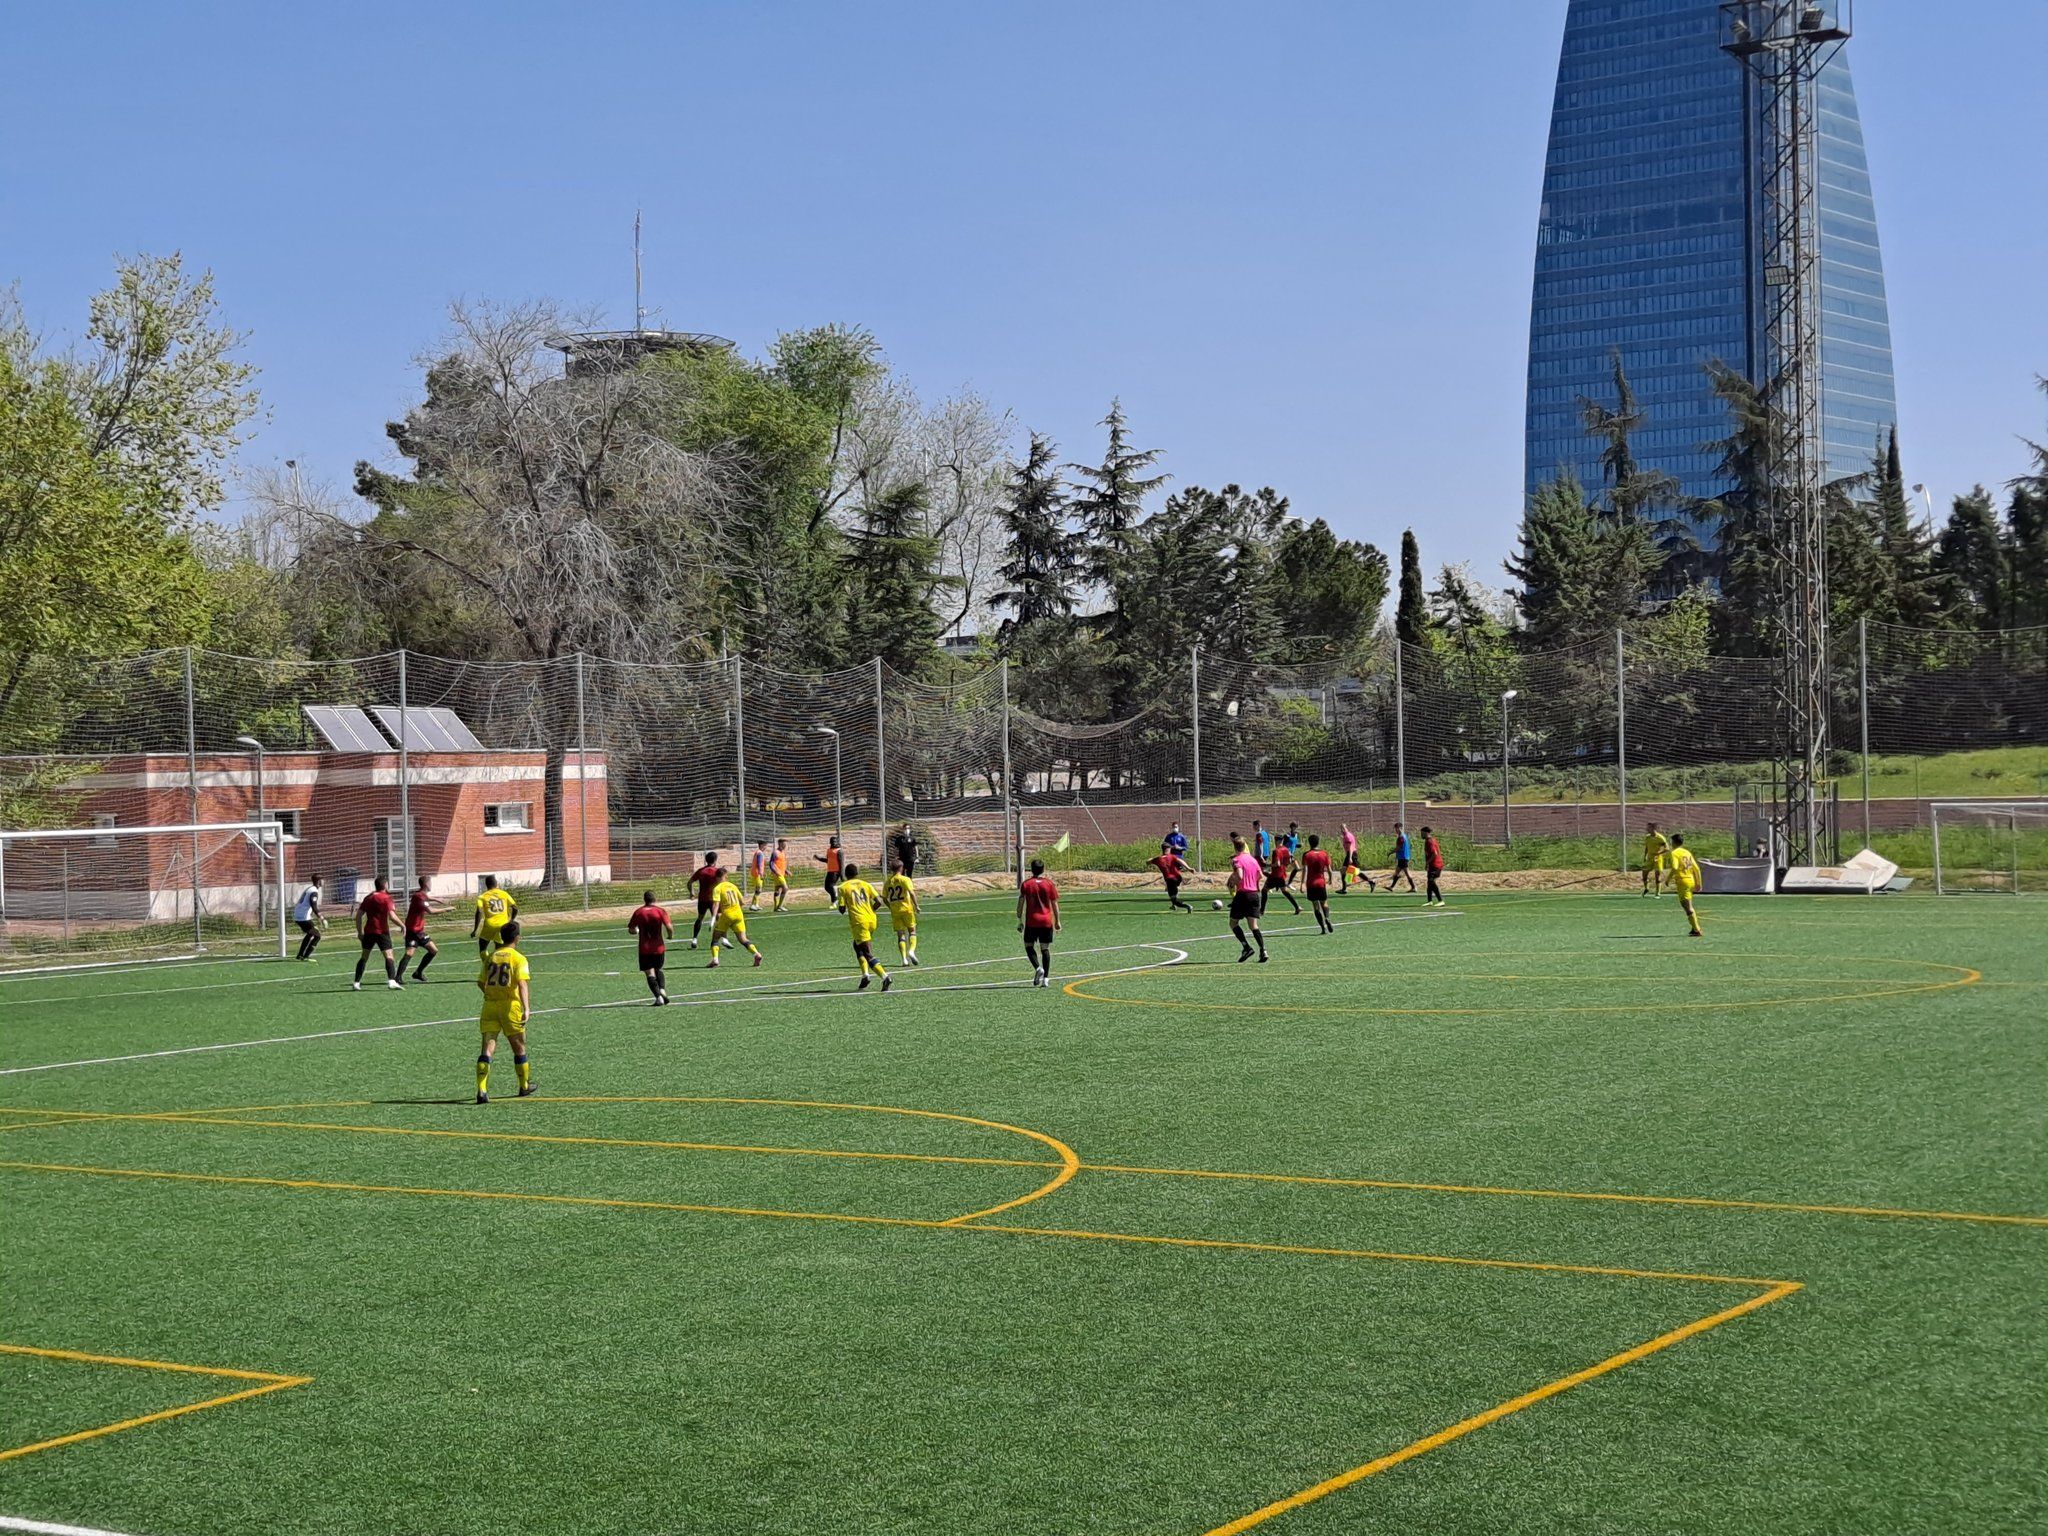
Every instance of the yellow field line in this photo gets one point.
(1708, 1202)
(271, 1382)
(912, 1222)
(1493, 1415)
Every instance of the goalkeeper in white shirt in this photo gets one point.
(306, 913)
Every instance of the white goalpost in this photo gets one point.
(72, 897)
(1990, 846)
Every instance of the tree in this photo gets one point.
(1910, 592)
(1636, 529)
(1043, 565)
(2027, 526)
(1555, 552)
(892, 571)
(1974, 559)
(1411, 616)
(1334, 588)
(552, 504)
(1110, 503)
(85, 573)
(1744, 559)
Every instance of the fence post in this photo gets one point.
(582, 789)
(739, 736)
(881, 774)
(1009, 790)
(1400, 742)
(1195, 684)
(404, 775)
(1621, 740)
(192, 778)
(1863, 701)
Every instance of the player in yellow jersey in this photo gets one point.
(506, 981)
(901, 898)
(862, 904)
(730, 921)
(495, 908)
(1656, 860)
(1685, 879)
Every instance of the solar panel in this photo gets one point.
(345, 728)
(460, 735)
(430, 729)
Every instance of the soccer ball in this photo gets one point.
(1217, 904)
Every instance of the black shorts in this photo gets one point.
(1038, 933)
(703, 906)
(1400, 866)
(415, 938)
(1316, 892)
(377, 941)
(1243, 905)
(309, 925)
(1276, 883)
(653, 959)
(1173, 885)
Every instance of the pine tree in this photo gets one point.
(1110, 503)
(893, 562)
(1043, 568)
(1554, 553)
(2027, 529)
(1744, 560)
(1411, 613)
(1911, 594)
(1636, 498)
(1974, 558)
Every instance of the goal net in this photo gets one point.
(1999, 846)
(75, 896)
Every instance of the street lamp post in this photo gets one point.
(1507, 814)
(838, 800)
(261, 815)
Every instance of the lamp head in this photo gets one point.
(249, 741)
(1512, 693)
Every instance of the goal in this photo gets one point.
(1999, 846)
(78, 896)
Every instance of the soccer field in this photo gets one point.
(1527, 1214)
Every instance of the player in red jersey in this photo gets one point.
(1038, 919)
(418, 907)
(706, 880)
(649, 923)
(1172, 869)
(1279, 870)
(373, 930)
(1315, 880)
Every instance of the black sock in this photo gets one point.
(365, 960)
(420, 965)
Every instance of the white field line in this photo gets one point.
(51, 1527)
(733, 994)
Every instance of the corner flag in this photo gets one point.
(1062, 845)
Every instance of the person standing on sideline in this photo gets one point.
(1432, 868)
(1656, 859)
(373, 931)
(904, 848)
(1262, 842)
(1685, 879)
(1038, 919)
(757, 873)
(830, 858)
(1350, 868)
(506, 981)
(778, 873)
(1402, 854)
(418, 907)
(650, 925)
(1175, 842)
(306, 913)
(1315, 879)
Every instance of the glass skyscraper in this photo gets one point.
(1641, 244)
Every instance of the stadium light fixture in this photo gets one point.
(838, 799)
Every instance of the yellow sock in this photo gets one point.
(525, 1070)
(483, 1074)
(879, 971)
(902, 946)
(864, 965)
(911, 953)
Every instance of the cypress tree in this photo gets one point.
(1411, 612)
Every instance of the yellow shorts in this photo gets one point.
(781, 882)
(1683, 886)
(903, 919)
(491, 935)
(723, 925)
(863, 933)
(503, 1020)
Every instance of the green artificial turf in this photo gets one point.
(601, 1353)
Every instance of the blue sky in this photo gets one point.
(1294, 238)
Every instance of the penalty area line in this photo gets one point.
(53, 1527)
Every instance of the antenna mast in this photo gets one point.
(1782, 46)
(639, 309)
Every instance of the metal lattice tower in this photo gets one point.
(1783, 45)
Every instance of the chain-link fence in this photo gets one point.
(578, 774)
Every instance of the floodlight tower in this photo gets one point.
(1782, 46)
